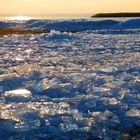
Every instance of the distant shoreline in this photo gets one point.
(22, 31)
(106, 15)
(6, 31)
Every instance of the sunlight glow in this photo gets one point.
(45, 7)
(20, 18)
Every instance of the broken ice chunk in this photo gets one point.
(111, 101)
(66, 127)
(133, 113)
(137, 80)
(91, 104)
(18, 92)
(108, 69)
(1, 89)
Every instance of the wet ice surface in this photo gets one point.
(81, 85)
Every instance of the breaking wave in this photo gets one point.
(74, 25)
(7, 24)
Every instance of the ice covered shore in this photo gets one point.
(71, 85)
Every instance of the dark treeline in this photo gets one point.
(116, 15)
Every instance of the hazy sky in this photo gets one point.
(44, 7)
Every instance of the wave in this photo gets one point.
(7, 24)
(71, 25)
(130, 24)
(74, 25)
(82, 25)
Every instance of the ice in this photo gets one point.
(137, 80)
(105, 115)
(108, 69)
(18, 92)
(111, 101)
(76, 115)
(2, 100)
(91, 104)
(133, 113)
(26, 126)
(1, 89)
(71, 82)
(65, 127)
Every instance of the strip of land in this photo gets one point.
(104, 15)
(5, 31)
(22, 31)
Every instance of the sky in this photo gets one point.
(45, 7)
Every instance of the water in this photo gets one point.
(78, 80)
(48, 16)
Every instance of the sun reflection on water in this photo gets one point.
(18, 18)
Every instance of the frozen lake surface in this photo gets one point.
(79, 81)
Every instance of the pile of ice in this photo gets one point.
(63, 85)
